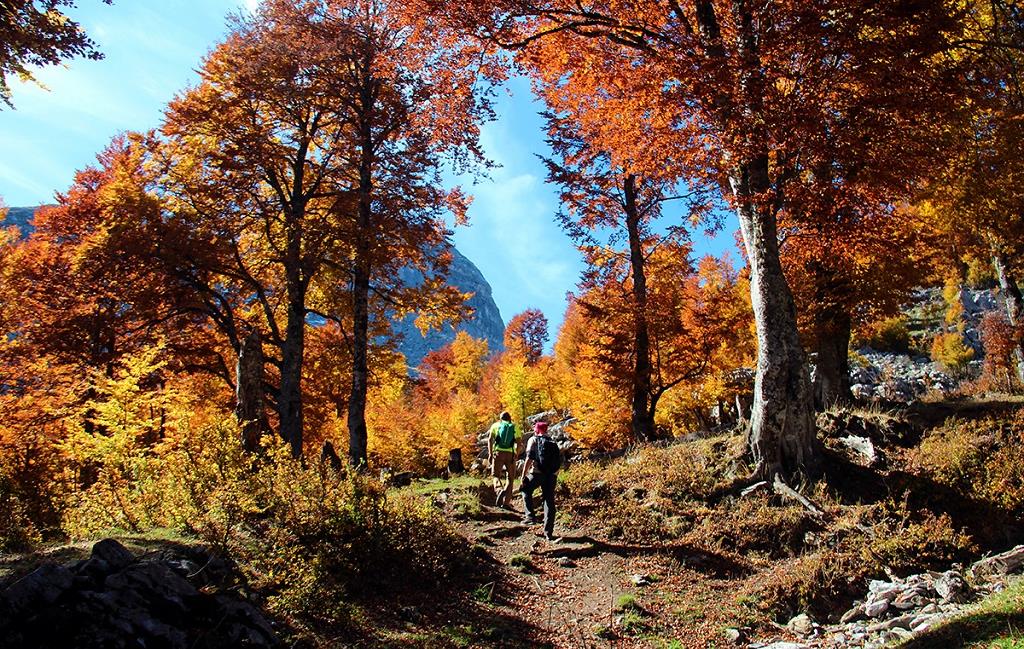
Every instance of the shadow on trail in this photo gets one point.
(712, 564)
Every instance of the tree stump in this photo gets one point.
(455, 466)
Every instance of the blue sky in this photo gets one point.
(152, 48)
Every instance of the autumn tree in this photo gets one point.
(526, 334)
(304, 171)
(839, 258)
(35, 33)
(603, 198)
(737, 92)
(690, 317)
(974, 203)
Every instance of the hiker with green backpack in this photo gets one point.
(502, 439)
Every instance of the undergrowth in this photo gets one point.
(310, 540)
(924, 516)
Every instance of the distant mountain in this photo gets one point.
(486, 322)
(21, 217)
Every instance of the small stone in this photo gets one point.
(733, 635)
(39, 588)
(922, 622)
(854, 613)
(876, 608)
(951, 587)
(881, 590)
(566, 562)
(801, 625)
(907, 601)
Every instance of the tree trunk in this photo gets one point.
(290, 396)
(832, 375)
(357, 434)
(330, 457)
(1012, 301)
(249, 406)
(782, 432)
(641, 417)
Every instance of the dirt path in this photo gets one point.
(586, 591)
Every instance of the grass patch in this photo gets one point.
(430, 487)
(522, 563)
(627, 602)
(996, 623)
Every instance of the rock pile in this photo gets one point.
(901, 608)
(897, 377)
(114, 600)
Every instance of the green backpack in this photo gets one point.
(506, 436)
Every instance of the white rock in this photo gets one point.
(640, 580)
(801, 625)
(876, 608)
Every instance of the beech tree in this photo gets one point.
(309, 158)
(839, 258)
(602, 197)
(525, 335)
(37, 33)
(975, 203)
(736, 92)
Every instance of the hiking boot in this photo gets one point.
(552, 538)
(531, 520)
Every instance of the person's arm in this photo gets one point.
(526, 468)
(528, 464)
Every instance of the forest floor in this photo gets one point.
(593, 589)
(585, 590)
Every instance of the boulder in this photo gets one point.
(801, 625)
(113, 553)
(39, 588)
(952, 587)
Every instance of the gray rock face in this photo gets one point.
(486, 322)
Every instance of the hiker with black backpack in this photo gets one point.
(543, 459)
(502, 440)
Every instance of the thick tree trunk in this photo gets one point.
(832, 375)
(249, 407)
(1013, 301)
(782, 433)
(357, 434)
(290, 396)
(641, 415)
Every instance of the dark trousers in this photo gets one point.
(547, 490)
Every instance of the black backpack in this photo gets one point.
(546, 455)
